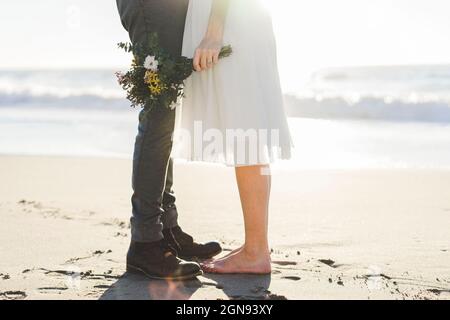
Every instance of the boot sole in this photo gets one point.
(139, 271)
(194, 258)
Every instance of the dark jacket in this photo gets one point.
(166, 17)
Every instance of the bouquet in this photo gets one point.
(155, 77)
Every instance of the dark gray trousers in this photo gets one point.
(153, 200)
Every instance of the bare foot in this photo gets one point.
(225, 256)
(240, 262)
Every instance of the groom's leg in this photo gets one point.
(153, 143)
(149, 254)
(169, 218)
(151, 160)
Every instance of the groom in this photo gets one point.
(157, 239)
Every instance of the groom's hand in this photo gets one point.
(207, 54)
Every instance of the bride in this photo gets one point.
(235, 106)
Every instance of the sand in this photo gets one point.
(343, 234)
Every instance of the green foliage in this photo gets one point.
(172, 72)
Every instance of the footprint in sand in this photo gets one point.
(13, 295)
(330, 263)
(45, 211)
(276, 272)
(116, 223)
(51, 290)
(102, 286)
(439, 291)
(121, 235)
(5, 276)
(285, 263)
(85, 275)
(293, 278)
(96, 253)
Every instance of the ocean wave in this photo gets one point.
(79, 100)
(368, 108)
(74, 88)
(414, 93)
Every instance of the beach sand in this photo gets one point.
(344, 234)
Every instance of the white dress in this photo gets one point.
(233, 113)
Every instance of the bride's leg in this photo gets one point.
(254, 184)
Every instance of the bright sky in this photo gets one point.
(311, 34)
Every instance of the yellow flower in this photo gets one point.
(154, 83)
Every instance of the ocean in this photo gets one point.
(344, 118)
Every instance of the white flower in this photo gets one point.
(151, 63)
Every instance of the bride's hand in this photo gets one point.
(207, 53)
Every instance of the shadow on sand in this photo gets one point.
(243, 287)
(135, 287)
